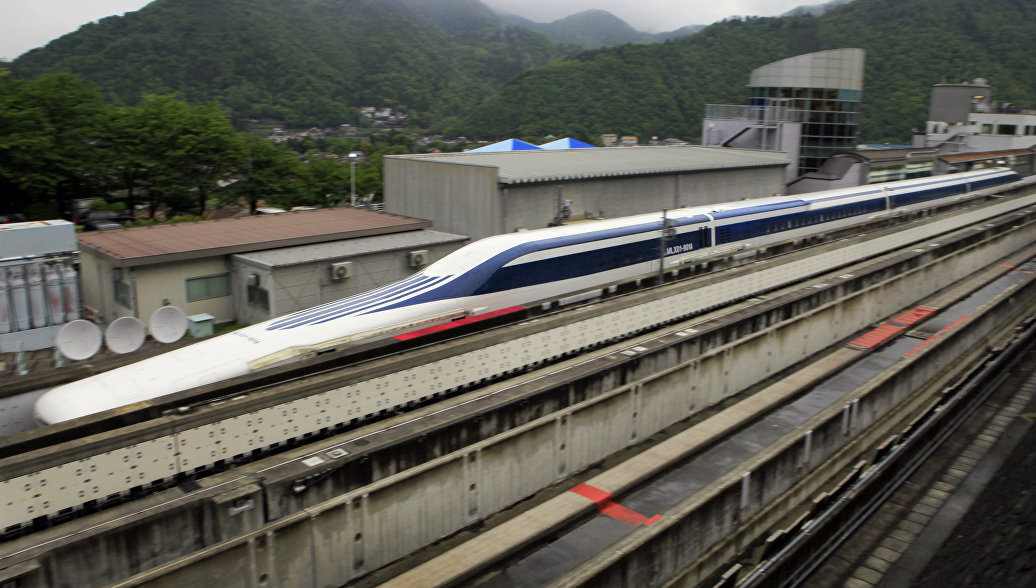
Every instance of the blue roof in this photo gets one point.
(567, 143)
(507, 145)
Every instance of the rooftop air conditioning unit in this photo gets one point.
(419, 258)
(341, 270)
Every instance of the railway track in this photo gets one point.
(594, 546)
(808, 557)
(233, 405)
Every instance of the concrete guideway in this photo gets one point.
(504, 542)
(894, 547)
(373, 553)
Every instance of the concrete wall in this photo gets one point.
(96, 287)
(151, 287)
(466, 199)
(159, 283)
(694, 540)
(533, 206)
(746, 133)
(461, 199)
(301, 286)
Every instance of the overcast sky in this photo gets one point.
(27, 24)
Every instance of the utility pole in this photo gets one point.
(668, 232)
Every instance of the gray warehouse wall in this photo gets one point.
(456, 198)
(467, 199)
(533, 206)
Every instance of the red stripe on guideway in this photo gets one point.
(604, 503)
(928, 341)
(1013, 267)
(879, 335)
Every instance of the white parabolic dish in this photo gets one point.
(125, 334)
(168, 324)
(79, 339)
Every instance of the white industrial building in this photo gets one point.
(483, 194)
(250, 269)
(963, 118)
(807, 105)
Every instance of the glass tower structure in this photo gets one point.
(826, 86)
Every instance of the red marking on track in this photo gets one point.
(879, 335)
(623, 514)
(929, 340)
(1013, 267)
(913, 316)
(604, 503)
(598, 496)
(457, 323)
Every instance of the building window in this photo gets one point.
(122, 293)
(259, 297)
(208, 287)
(987, 129)
(1007, 129)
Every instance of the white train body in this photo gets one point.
(503, 271)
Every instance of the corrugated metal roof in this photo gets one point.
(979, 156)
(343, 249)
(524, 167)
(890, 154)
(192, 240)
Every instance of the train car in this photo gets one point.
(505, 271)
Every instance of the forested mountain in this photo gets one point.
(815, 9)
(303, 61)
(590, 29)
(593, 29)
(453, 65)
(662, 89)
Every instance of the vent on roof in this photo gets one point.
(341, 270)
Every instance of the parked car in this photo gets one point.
(103, 220)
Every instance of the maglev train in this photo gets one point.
(508, 270)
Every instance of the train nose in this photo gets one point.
(64, 403)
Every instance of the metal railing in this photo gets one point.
(760, 114)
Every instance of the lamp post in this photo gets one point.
(352, 179)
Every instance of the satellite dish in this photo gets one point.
(168, 324)
(125, 334)
(79, 339)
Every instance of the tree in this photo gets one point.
(326, 179)
(272, 173)
(178, 151)
(49, 130)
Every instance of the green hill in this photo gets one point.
(453, 64)
(662, 89)
(590, 29)
(304, 61)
